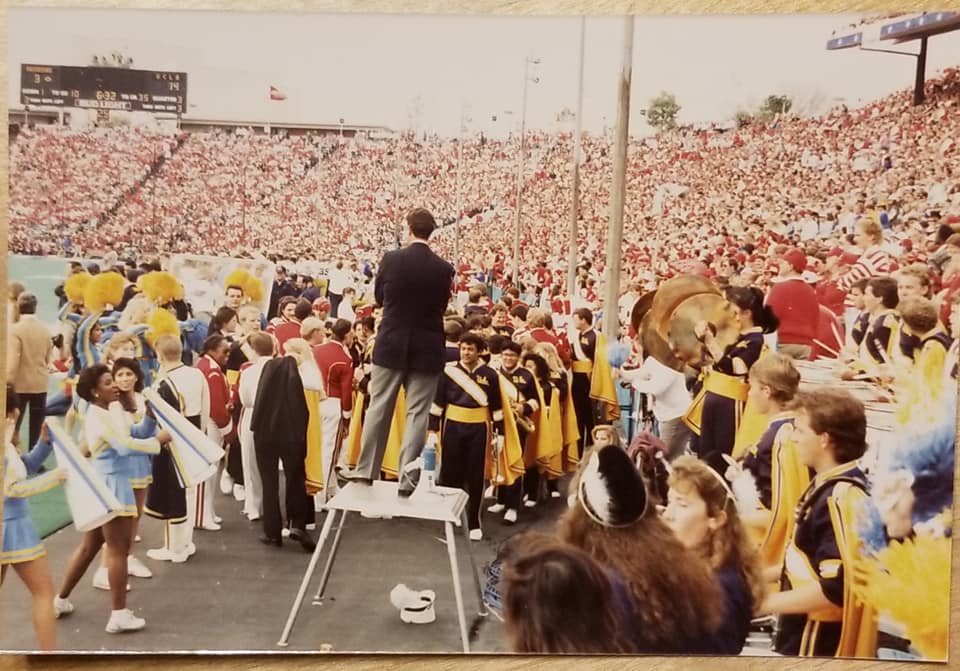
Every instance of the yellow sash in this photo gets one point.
(602, 387)
(458, 413)
(721, 384)
(570, 432)
(314, 460)
(504, 468)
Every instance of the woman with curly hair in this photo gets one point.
(676, 599)
(110, 442)
(702, 512)
(559, 600)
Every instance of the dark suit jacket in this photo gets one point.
(413, 286)
(280, 410)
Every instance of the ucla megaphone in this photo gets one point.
(91, 504)
(195, 455)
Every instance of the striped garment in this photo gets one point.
(874, 262)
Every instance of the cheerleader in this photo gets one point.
(722, 397)
(129, 410)
(22, 548)
(111, 443)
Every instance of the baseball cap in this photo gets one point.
(797, 259)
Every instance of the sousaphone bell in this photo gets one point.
(667, 329)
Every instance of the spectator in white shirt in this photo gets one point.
(668, 391)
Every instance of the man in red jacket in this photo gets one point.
(796, 306)
(336, 366)
(215, 352)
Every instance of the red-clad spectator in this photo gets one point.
(796, 306)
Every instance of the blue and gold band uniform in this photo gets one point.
(467, 403)
(780, 480)
(584, 354)
(717, 408)
(822, 550)
(882, 338)
(860, 326)
(521, 385)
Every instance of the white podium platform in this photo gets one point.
(444, 504)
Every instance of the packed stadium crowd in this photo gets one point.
(752, 477)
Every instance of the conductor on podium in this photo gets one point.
(413, 286)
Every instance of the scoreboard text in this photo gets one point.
(103, 88)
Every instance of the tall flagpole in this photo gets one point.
(611, 323)
(575, 187)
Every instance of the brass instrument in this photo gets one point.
(667, 318)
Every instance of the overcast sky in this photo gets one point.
(369, 68)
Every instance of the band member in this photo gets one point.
(584, 348)
(778, 475)
(819, 615)
(185, 390)
(468, 401)
(718, 406)
(519, 389)
(262, 348)
(336, 368)
(592, 377)
(216, 350)
(882, 340)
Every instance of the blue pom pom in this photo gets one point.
(617, 354)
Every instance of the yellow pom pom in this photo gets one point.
(910, 582)
(252, 286)
(160, 287)
(103, 289)
(75, 285)
(161, 322)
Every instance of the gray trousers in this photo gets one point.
(385, 383)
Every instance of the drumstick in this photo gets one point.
(836, 334)
(823, 345)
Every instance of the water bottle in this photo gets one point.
(428, 472)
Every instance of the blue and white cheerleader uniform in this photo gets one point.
(140, 464)
(21, 543)
(111, 444)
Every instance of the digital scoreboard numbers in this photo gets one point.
(103, 88)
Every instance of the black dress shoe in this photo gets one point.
(267, 540)
(303, 537)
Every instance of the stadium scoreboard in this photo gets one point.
(103, 88)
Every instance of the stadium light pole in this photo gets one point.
(611, 322)
(456, 225)
(528, 61)
(575, 187)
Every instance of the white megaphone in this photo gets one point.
(91, 503)
(195, 455)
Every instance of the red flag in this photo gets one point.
(277, 94)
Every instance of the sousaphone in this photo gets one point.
(679, 304)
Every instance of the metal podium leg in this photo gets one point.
(333, 555)
(288, 627)
(481, 606)
(455, 570)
